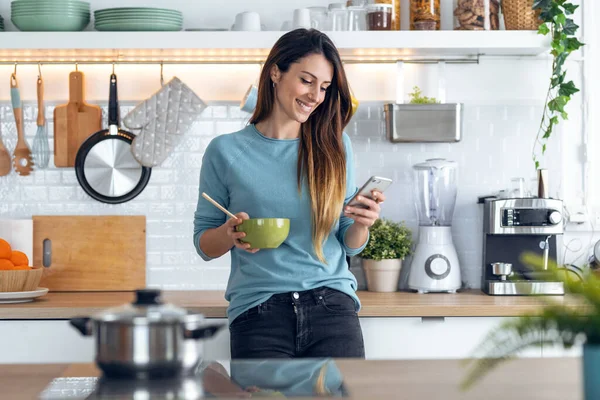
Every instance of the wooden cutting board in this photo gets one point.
(91, 253)
(74, 122)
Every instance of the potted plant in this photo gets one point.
(563, 324)
(554, 16)
(389, 243)
(423, 119)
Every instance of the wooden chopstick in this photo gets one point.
(220, 207)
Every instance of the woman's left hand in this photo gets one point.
(366, 216)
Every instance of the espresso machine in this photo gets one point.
(512, 227)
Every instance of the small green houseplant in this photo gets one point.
(389, 243)
(554, 15)
(416, 97)
(563, 324)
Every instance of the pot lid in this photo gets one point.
(147, 308)
(437, 163)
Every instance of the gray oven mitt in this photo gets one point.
(162, 120)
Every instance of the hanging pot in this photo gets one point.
(146, 339)
(105, 166)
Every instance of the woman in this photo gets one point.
(292, 161)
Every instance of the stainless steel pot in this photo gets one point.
(146, 339)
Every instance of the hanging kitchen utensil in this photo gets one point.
(5, 160)
(163, 119)
(74, 122)
(22, 160)
(146, 339)
(40, 149)
(105, 167)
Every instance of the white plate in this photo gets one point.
(21, 297)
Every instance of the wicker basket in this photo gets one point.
(520, 16)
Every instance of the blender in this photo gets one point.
(435, 266)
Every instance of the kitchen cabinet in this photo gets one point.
(55, 341)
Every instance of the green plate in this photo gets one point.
(123, 15)
(137, 21)
(164, 11)
(131, 27)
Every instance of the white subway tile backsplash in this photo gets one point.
(495, 147)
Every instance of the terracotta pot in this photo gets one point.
(382, 276)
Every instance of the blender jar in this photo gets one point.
(435, 191)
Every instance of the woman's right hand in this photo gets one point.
(236, 236)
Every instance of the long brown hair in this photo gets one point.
(321, 155)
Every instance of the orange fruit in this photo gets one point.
(5, 249)
(19, 258)
(6, 265)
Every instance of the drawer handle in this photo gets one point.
(433, 319)
(47, 253)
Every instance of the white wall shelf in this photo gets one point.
(242, 47)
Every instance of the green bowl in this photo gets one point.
(48, 24)
(265, 233)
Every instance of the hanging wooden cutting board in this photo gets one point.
(74, 122)
(90, 253)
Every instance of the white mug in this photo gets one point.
(301, 18)
(247, 21)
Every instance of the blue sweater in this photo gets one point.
(247, 171)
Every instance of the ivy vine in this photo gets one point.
(554, 15)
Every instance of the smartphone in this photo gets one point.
(373, 183)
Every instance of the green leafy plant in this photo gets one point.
(558, 323)
(416, 97)
(555, 21)
(388, 240)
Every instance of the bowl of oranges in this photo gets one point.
(16, 275)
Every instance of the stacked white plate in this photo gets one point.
(138, 19)
(50, 15)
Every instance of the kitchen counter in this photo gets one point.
(469, 303)
(548, 379)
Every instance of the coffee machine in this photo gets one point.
(512, 227)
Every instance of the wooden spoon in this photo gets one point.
(22, 160)
(5, 160)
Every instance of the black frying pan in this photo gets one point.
(105, 166)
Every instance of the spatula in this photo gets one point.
(22, 160)
(4, 158)
(40, 142)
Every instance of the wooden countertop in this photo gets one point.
(547, 378)
(469, 303)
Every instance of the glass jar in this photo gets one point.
(319, 18)
(338, 16)
(395, 12)
(476, 15)
(357, 19)
(424, 15)
(379, 17)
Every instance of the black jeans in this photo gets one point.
(313, 323)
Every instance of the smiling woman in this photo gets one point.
(293, 162)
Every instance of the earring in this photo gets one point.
(273, 85)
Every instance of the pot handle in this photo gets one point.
(82, 324)
(203, 332)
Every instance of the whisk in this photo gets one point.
(41, 150)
